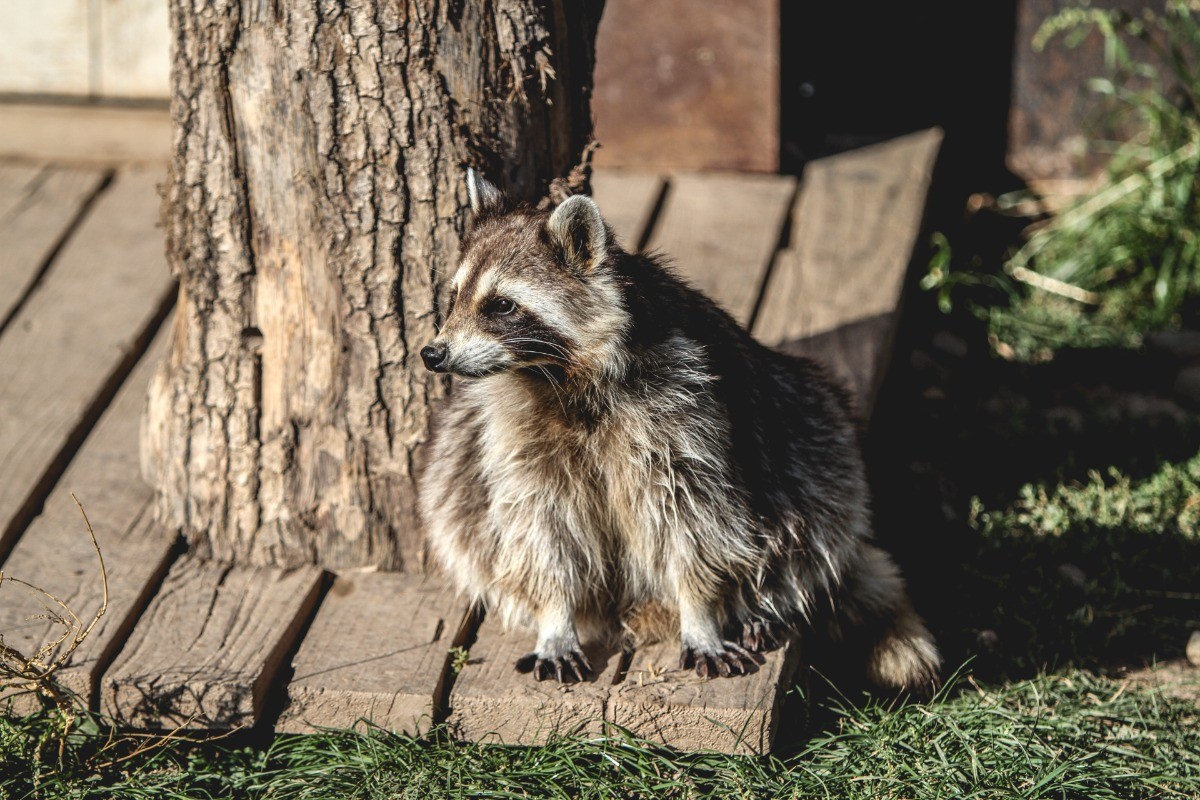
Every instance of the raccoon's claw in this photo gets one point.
(571, 667)
(758, 636)
(732, 660)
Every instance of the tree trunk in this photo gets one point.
(314, 207)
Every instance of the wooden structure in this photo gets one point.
(86, 48)
(689, 84)
(815, 265)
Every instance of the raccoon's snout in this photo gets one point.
(434, 356)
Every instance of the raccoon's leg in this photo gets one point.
(701, 645)
(759, 635)
(558, 654)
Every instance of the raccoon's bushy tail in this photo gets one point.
(901, 651)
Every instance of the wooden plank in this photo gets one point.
(16, 181)
(209, 646)
(38, 207)
(627, 199)
(75, 338)
(689, 84)
(44, 47)
(855, 352)
(492, 702)
(135, 50)
(721, 232)
(356, 663)
(854, 231)
(56, 555)
(661, 703)
(87, 134)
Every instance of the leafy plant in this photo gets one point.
(1124, 260)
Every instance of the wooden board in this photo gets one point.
(721, 231)
(56, 555)
(627, 200)
(854, 230)
(492, 702)
(688, 84)
(134, 58)
(75, 339)
(209, 646)
(38, 208)
(87, 134)
(16, 181)
(44, 47)
(378, 650)
(661, 703)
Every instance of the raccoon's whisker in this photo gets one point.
(553, 385)
(561, 351)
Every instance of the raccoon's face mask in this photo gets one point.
(531, 292)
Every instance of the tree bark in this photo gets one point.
(314, 208)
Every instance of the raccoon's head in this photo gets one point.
(533, 291)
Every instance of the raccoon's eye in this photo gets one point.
(501, 306)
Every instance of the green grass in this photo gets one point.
(1090, 573)
(1070, 736)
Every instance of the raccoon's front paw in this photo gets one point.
(732, 659)
(570, 667)
(759, 636)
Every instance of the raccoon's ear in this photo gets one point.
(485, 197)
(577, 227)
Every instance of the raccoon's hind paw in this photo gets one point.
(759, 636)
(733, 659)
(572, 667)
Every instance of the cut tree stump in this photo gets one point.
(56, 555)
(209, 647)
(378, 650)
(75, 338)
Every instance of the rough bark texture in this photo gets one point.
(314, 208)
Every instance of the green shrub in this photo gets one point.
(1124, 260)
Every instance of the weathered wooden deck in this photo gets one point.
(815, 266)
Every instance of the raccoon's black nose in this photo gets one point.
(434, 356)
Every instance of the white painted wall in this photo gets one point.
(85, 48)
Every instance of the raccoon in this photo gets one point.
(617, 449)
